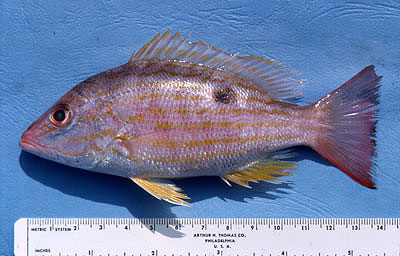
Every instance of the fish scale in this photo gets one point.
(210, 127)
(181, 109)
(190, 121)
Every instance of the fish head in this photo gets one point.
(59, 134)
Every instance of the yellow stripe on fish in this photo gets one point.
(208, 142)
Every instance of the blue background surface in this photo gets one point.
(46, 47)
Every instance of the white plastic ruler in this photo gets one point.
(211, 236)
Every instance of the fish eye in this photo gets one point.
(61, 115)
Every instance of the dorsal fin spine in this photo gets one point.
(179, 45)
(165, 48)
(144, 48)
(149, 52)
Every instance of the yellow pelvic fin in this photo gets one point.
(265, 170)
(162, 190)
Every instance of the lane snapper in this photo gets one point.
(182, 109)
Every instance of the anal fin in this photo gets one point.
(162, 190)
(261, 170)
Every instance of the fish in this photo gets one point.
(181, 109)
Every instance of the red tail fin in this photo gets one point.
(349, 139)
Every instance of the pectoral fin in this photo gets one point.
(266, 170)
(162, 190)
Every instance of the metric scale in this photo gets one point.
(208, 236)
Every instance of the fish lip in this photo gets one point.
(32, 146)
(26, 146)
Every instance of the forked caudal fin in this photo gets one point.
(348, 140)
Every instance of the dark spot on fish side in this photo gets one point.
(224, 95)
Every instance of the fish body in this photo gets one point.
(180, 109)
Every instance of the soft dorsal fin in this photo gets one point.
(277, 80)
(264, 169)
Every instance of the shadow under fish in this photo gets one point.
(115, 190)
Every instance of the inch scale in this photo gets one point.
(208, 236)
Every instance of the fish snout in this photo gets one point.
(29, 139)
(27, 142)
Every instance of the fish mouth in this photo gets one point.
(30, 145)
(27, 146)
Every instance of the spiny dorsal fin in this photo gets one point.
(278, 81)
(266, 170)
(162, 190)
